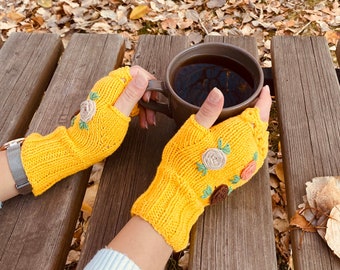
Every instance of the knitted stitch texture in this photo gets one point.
(201, 166)
(95, 133)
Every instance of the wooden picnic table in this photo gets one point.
(42, 86)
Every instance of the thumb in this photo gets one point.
(132, 93)
(210, 109)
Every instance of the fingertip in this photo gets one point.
(210, 109)
(266, 88)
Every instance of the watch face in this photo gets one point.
(7, 144)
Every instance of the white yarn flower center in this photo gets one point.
(214, 159)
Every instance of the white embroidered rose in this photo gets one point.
(214, 159)
(87, 110)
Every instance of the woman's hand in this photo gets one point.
(213, 106)
(134, 91)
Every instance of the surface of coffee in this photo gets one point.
(195, 78)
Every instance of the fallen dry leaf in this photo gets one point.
(139, 12)
(300, 221)
(279, 171)
(45, 3)
(332, 36)
(323, 193)
(321, 210)
(333, 230)
(17, 17)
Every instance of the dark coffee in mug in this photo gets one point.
(195, 71)
(196, 77)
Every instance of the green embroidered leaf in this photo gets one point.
(256, 156)
(230, 190)
(219, 143)
(236, 179)
(83, 125)
(201, 168)
(225, 149)
(207, 192)
(93, 95)
(72, 121)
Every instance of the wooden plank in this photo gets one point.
(238, 233)
(27, 65)
(36, 232)
(130, 170)
(308, 95)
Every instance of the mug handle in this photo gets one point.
(159, 86)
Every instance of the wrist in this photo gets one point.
(14, 165)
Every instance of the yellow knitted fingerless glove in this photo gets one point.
(95, 133)
(200, 167)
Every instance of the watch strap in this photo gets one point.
(17, 169)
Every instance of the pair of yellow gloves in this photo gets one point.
(199, 166)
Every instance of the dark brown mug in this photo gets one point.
(194, 72)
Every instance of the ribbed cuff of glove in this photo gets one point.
(95, 133)
(201, 167)
(170, 207)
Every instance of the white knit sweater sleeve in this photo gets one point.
(109, 259)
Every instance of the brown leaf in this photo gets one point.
(279, 171)
(332, 36)
(323, 193)
(169, 23)
(332, 236)
(14, 16)
(139, 12)
(39, 20)
(299, 221)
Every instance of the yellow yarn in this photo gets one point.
(185, 180)
(96, 132)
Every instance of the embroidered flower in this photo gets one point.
(214, 158)
(219, 194)
(249, 170)
(87, 110)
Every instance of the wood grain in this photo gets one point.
(36, 232)
(308, 96)
(27, 65)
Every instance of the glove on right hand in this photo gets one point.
(199, 167)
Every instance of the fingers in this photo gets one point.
(133, 92)
(264, 103)
(146, 116)
(211, 108)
